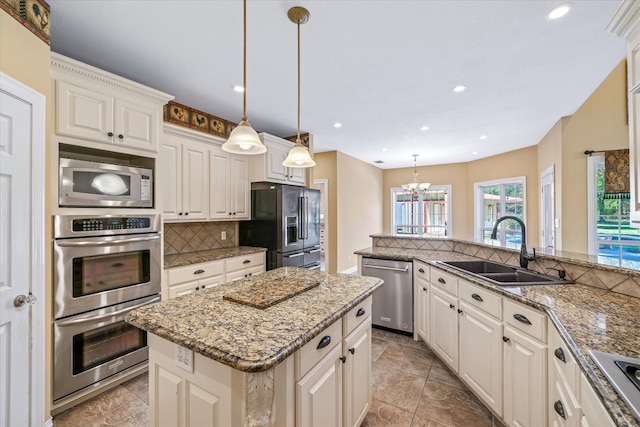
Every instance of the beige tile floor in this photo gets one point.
(411, 388)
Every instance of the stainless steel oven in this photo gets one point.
(105, 266)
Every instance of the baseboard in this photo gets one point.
(48, 423)
(352, 270)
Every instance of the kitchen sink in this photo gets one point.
(503, 274)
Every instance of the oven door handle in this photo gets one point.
(103, 316)
(72, 243)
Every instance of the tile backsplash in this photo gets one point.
(185, 237)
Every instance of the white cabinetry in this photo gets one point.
(268, 167)
(184, 174)
(229, 184)
(421, 300)
(443, 317)
(525, 366)
(92, 104)
(244, 266)
(625, 24)
(480, 343)
(594, 413)
(563, 405)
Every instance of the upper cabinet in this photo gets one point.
(94, 105)
(268, 167)
(229, 184)
(625, 24)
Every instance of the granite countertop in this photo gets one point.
(179, 260)
(252, 339)
(587, 318)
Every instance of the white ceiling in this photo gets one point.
(381, 68)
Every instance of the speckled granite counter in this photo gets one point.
(179, 260)
(587, 318)
(247, 338)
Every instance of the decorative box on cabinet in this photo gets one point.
(268, 166)
(92, 104)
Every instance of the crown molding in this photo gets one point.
(626, 18)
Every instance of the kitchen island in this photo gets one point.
(266, 351)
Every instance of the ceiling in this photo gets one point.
(381, 68)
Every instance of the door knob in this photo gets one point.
(21, 300)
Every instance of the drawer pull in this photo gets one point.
(557, 406)
(246, 261)
(361, 312)
(477, 297)
(421, 270)
(441, 280)
(560, 354)
(325, 341)
(521, 318)
(198, 272)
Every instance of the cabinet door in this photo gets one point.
(276, 154)
(136, 125)
(319, 393)
(481, 355)
(220, 193)
(240, 188)
(357, 374)
(169, 177)
(84, 113)
(422, 315)
(443, 322)
(195, 182)
(525, 380)
(182, 289)
(296, 175)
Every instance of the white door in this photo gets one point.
(22, 128)
(546, 206)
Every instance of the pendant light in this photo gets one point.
(298, 156)
(243, 139)
(415, 189)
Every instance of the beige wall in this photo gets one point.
(599, 124)
(25, 57)
(355, 205)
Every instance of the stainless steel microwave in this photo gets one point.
(97, 184)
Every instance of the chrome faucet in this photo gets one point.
(524, 255)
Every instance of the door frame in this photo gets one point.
(547, 175)
(323, 186)
(38, 260)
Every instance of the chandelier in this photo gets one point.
(415, 189)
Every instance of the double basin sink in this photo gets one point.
(503, 274)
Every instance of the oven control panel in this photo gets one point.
(97, 224)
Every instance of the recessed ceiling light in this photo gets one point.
(337, 125)
(423, 128)
(483, 136)
(459, 88)
(559, 11)
(384, 149)
(238, 88)
(474, 152)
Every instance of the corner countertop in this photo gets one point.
(180, 260)
(586, 317)
(251, 339)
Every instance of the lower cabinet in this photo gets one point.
(356, 378)
(421, 300)
(594, 413)
(443, 321)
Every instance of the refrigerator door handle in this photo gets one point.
(301, 220)
(306, 218)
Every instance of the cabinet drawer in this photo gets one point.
(313, 351)
(356, 316)
(593, 411)
(444, 281)
(245, 261)
(563, 409)
(421, 270)
(525, 319)
(481, 298)
(562, 361)
(195, 272)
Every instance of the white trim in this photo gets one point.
(37, 368)
(324, 196)
(449, 190)
(350, 270)
(550, 171)
(478, 214)
(592, 228)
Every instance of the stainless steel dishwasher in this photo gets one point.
(393, 301)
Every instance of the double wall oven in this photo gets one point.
(104, 267)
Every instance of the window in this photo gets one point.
(611, 237)
(496, 199)
(429, 215)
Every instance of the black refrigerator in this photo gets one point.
(285, 219)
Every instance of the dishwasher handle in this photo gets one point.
(379, 267)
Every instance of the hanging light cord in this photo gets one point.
(244, 63)
(298, 137)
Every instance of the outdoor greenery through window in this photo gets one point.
(495, 200)
(617, 242)
(426, 215)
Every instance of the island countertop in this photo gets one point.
(254, 339)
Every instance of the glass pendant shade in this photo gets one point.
(244, 140)
(415, 189)
(299, 157)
